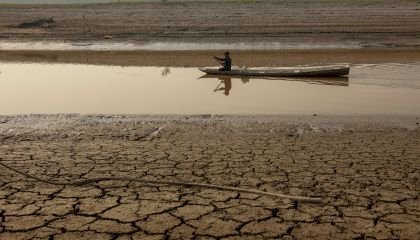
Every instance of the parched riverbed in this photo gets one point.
(365, 169)
(79, 85)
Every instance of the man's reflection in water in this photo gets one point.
(228, 85)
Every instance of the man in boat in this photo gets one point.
(226, 62)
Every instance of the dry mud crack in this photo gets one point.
(366, 170)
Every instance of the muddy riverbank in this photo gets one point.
(249, 58)
(366, 24)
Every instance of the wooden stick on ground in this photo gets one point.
(160, 182)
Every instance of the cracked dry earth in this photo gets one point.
(367, 174)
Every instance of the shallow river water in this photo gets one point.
(73, 88)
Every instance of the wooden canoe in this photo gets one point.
(298, 71)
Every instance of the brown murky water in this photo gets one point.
(71, 88)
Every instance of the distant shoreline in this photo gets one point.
(347, 25)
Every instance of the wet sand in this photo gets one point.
(368, 24)
(364, 168)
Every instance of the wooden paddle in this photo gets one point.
(216, 89)
(220, 62)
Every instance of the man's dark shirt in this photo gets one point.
(227, 64)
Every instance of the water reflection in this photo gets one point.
(76, 88)
(227, 81)
(225, 84)
(165, 71)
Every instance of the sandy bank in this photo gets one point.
(203, 58)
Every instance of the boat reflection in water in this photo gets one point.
(227, 81)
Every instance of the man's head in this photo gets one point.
(226, 54)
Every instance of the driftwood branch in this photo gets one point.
(42, 23)
(159, 182)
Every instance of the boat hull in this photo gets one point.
(312, 71)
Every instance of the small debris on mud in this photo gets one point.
(40, 23)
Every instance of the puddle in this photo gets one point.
(72, 88)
